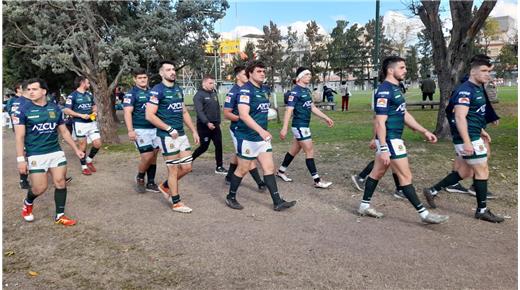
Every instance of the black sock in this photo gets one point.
(396, 181)
(23, 177)
(365, 172)
(409, 192)
(286, 161)
(60, 197)
(140, 175)
(93, 152)
(370, 187)
(83, 160)
(481, 192)
(176, 198)
(151, 173)
(256, 176)
(311, 166)
(270, 182)
(30, 197)
(165, 183)
(450, 179)
(232, 168)
(233, 187)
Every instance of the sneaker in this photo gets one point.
(220, 170)
(27, 212)
(86, 171)
(428, 194)
(399, 194)
(139, 185)
(64, 220)
(371, 212)
(284, 205)
(322, 184)
(68, 179)
(90, 166)
(180, 207)
(489, 217)
(433, 218)
(152, 187)
(283, 176)
(165, 191)
(472, 192)
(359, 183)
(262, 186)
(456, 188)
(233, 203)
(24, 184)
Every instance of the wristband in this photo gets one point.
(20, 159)
(169, 129)
(383, 148)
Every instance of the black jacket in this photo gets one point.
(207, 107)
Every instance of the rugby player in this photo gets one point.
(80, 105)
(253, 139)
(37, 124)
(167, 112)
(391, 116)
(231, 113)
(142, 132)
(300, 107)
(466, 113)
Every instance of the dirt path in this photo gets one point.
(125, 240)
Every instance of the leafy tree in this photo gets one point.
(489, 33)
(411, 64)
(507, 60)
(315, 52)
(270, 50)
(290, 60)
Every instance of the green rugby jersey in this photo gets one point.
(81, 103)
(170, 101)
(300, 99)
(137, 98)
(41, 127)
(390, 101)
(257, 99)
(470, 95)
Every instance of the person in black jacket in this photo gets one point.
(208, 121)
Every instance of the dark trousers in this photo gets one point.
(344, 103)
(427, 96)
(206, 135)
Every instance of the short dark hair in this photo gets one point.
(41, 82)
(139, 71)
(78, 80)
(238, 69)
(163, 62)
(252, 65)
(480, 59)
(17, 85)
(387, 63)
(208, 77)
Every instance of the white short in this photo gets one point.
(251, 149)
(89, 130)
(301, 133)
(396, 148)
(479, 152)
(234, 140)
(41, 163)
(170, 146)
(146, 140)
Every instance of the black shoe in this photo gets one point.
(152, 187)
(220, 170)
(233, 203)
(428, 194)
(284, 205)
(262, 186)
(139, 185)
(68, 180)
(24, 184)
(489, 217)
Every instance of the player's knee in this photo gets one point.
(59, 182)
(38, 189)
(97, 143)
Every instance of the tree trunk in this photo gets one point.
(106, 122)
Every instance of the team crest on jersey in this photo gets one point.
(381, 102)
(127, 101)
(52, 115)
(244, 99)
(464, 100)
(400, 147)
(291, 98)
(247, 151)
(69, 101)
(481, 147)
(228, 99)
(33, 163)
(171, 145)
(153, 99)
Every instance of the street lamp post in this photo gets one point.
(376, 42)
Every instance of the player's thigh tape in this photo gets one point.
(173, 162)
(186, 160)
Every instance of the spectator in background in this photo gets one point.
(328, 94)
(428, 89)
(345, 94)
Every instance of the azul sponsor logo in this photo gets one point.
(175, 106)
(482, 109)
(84, 106)
(263, 107)
(307, 104)
(44, 127)
(401, 108)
